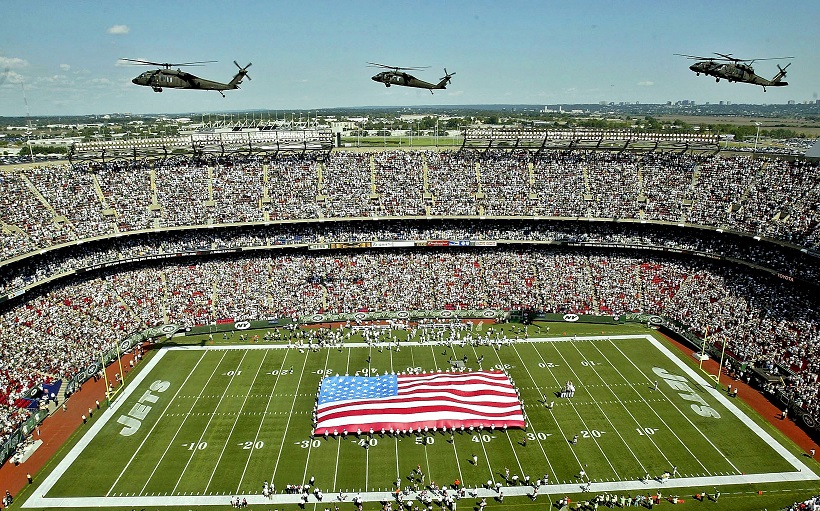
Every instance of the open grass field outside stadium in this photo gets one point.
(202, 423)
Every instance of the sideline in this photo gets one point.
(38, 499)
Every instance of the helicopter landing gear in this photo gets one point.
(157, 89)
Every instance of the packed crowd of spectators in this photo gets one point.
(52, 205)
(791, 263)
(61, 327)
(810, 504)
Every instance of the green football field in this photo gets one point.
(199, 424)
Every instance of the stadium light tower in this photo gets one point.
(757, 136)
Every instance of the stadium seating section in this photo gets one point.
(759, 214)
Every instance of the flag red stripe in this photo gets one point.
(378, 403)
(437, 400)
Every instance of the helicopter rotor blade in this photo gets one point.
(138, 62)
(733, 59)
(774, 58)
(195, 63)
(694, 57)
(374, 64)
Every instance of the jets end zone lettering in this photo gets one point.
(139, 411)
(680, 384)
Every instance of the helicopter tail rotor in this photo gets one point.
(445, 79)
(781, 73)
(241, 75)
(243, 70)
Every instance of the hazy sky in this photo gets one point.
(312, 54)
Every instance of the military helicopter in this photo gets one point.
(736, 70)
(178, 79)
(396, 76)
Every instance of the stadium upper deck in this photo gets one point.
(48, 206)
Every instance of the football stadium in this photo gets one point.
(513, 328)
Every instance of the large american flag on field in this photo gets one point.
(417, 401)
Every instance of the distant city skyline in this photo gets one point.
(62, 59)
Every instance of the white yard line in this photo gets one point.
(148, 435)
(654, 411)
(262, 422)
(211, 418)
(427, 463)
(486, 457)
(366, 468)
(310, 444)
(686, 417)
(290, 415)
(517, 461)
(398, 470)
(338, 451)
(580, 383)
(433, 351)
(236, 419)
(458, 461)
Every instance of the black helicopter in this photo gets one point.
(397, 76)
(736, 70)
(165, 76)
